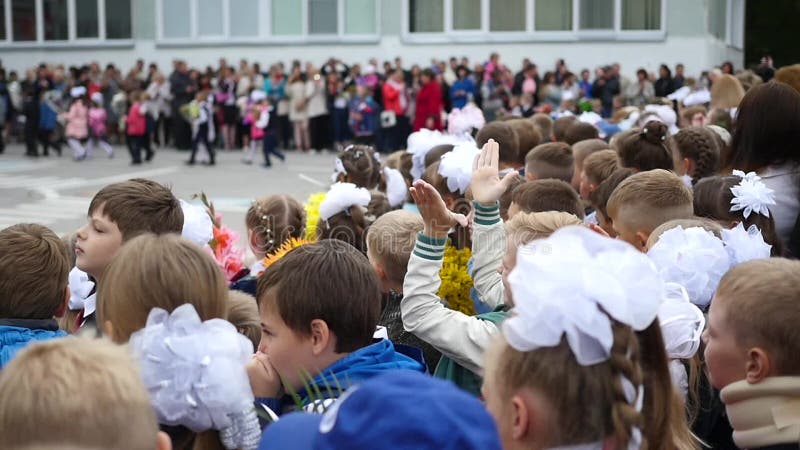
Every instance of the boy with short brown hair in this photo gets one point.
(506, 137)
(76, 391)
(580, 151)
(545, 195)
(319, 328)
(752, 342)
(33, 287)
(596, 168)
(644, 201)
(118, 213)
(552, 160)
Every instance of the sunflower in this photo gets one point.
(287, 246)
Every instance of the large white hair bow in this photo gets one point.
(342, 196)
(463, 120)
(421, 142)
(195, 374)
(682, 323)
(744, 245)
(456, 166)
(197, 226)
(396, 188)
(751, 195)
(573, 283)
(692, 257)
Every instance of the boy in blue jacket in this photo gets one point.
(318, 324)
(33, 287)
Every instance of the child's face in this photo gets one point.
(97, 243)
(725, 358)
(289, 352)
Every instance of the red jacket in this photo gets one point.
(429, 104)
(391, 99)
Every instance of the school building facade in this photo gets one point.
(586, 33)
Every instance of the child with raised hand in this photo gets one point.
(77, 393)
(317, 335)
(118, 213)
(33, 287)
(567, 333)
(751, 352)
(192, 360)
(462, 339)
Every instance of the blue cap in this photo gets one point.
(399, 409)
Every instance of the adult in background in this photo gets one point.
(319, 121)
(182, 90)
(429, 103)
(395, 106)
(665, 84)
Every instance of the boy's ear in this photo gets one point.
(641, 240)
(62, 308)
(321, 337)
(520, 418)
(758, 365)
(163, 442)
(530, 176)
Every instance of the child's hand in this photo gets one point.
(264, 380)
(487, 187)
(597, 229)
(438, 219)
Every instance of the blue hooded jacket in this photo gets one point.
(15, 334)
(358, 366)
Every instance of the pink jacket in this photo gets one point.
(97, 121)
(77, 121)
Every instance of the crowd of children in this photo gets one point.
(519, 284)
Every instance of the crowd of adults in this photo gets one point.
(324, 107)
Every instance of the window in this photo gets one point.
(209, 18)
(553, 15)
(323, 16)
(466, 14)
(717, 15)
(508, 15)
(736, 25)
(23, 20)
(177, 20)
(360, 17)
(243, 18)
(426, 16)
(65, 22)
(438, 21)
(55, 20)
(596, 14)
(287, 17)
(641, 14)
(87, 13)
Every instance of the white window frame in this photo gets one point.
(449, 35)
(264, 35)
(730, 24)
(72, 30)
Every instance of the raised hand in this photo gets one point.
(437, 218)
(487, 187)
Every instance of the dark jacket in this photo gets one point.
(392, 320)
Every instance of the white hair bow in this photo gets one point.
(195, 374)
(342, 196)
(745, 245)
(456, 166)
(197, 226)
(421, 142)
(692, 257)
(751, 195)
(396, 188)
(338, 169)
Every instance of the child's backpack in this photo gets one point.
(136, 123)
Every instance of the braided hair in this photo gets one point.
(274, 219)
(361, 165)
(699, 144)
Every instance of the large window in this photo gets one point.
(717, 15)
(65, 22)
(266, 20)
(498, 20)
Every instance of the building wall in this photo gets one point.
(687, 41)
